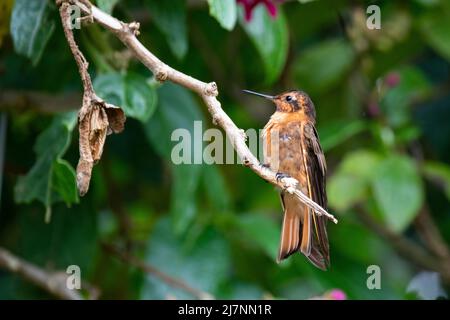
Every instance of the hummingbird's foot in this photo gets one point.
(290, 184)
(265, 165)
(281, 175)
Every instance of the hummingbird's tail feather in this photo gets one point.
(305, 246)
(296, 234)
(290, 235)
(322, 243)
(303, 232)
(299, 237)
(317, 259)
(320, 252)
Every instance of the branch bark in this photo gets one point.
(173, 282)
(54, 283)
(431, 236)
(126, 33)
(19, 101)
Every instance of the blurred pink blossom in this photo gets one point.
(392, 79)
(336, 294)
(249, 5)
(373, 109)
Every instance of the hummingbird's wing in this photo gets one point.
(316, 170)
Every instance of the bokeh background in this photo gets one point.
(148, 229)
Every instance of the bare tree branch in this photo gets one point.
(431, 235)
(54, 283)
(207, 91)
(13, 100)
(171, 281)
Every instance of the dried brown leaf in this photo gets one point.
(116, 118)
(96, 119)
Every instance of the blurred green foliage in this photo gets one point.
(383, 110)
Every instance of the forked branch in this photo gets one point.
(207, 91)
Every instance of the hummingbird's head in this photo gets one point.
(291, 101)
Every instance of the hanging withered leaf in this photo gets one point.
(96, 120)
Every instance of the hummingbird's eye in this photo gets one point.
(288, 98)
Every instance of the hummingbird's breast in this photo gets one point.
(284, 147)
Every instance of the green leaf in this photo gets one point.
(178, 110)
(71, 238)
(204, 266)
(129, 91)
(170, 18)
(183, 206)
(440, 173)
(261, 230)
(350, 184)
(270, 37)
(413, 85)
(107, 5)
(435, 27)
(367, 246)
(324, 65)
(63, 177)
(344, 191)
(361, 164)
(50, 174)
(225, 11)
(398, 191)
(338, 132)
(215, 188)
(407, 134)
(31, 27)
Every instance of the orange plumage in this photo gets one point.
(291, 147)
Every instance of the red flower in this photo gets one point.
(249, 5)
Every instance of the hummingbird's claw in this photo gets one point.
(281, 175)
(265, 165)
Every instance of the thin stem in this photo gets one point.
(147, 268)
(54, 283)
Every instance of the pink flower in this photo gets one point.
(336, 294)
(392, 79)
(249, 5)
(373, 109)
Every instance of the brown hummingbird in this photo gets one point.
(292, 148)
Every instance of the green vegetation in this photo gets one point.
(383, 108)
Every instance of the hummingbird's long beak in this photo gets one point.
(259, 94)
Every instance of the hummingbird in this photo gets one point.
(298, 154)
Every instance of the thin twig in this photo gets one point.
(22, 100)
(207, 91)
(424, 223)
(81, 61)
(431, 236)
(96, 118)
(54, 283)
(171, 281)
